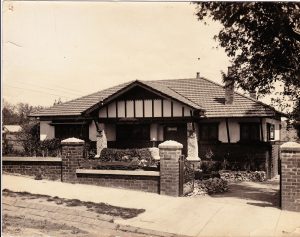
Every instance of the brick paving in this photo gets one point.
(89, 221)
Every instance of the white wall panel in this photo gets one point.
(130, 109)
(121, 109)
(157, 108)
(139, 108)
(167, 108)
(148, 108)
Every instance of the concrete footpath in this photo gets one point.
(197, 216)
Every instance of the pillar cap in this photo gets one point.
(193, 159)
(72, 140)
(290, 146)
(170, 145)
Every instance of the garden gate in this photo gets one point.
(186, 176)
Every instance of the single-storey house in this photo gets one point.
(204, 116)
(10, 137)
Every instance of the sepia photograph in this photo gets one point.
(150, 118)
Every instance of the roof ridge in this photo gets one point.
(179, 93)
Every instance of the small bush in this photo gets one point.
(215, 185)
(239, 176)
(141, 157)
(208, 166)
(50, 147)
(209, 186)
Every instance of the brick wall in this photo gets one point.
(72, 155)
(169, 152)
(290, 176)
(141, 183)
(50, 168)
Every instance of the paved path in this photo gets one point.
(91, 222)
(203, 216)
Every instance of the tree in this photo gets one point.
(262, 40)
(30, 137)
(57, 102)
(17, 114)
(296, 117)
(9, 114)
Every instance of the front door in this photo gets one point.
(177, 132)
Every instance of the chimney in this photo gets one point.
(252, 94)
(198, 75)
(229, 88)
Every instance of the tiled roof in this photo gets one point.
(77, 106)
(165, 89)
(211, 96)
(198, 93)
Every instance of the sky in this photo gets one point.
(70, 49)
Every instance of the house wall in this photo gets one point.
(92, 131)
(277, 124)
(110, 131)
(46, 130)
(234, 128)
(134, 108)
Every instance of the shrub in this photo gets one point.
(30, 137)
(239, 176)
(125, 159)
(208, 166)
(209, 186)
(90, 149)
(50, 147)
(137, 156)
(215, 185)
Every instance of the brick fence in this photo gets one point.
(48, 167)
(169, 152)
(148, 181)
(66, 168)
(290, 176)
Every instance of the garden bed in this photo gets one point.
(239, 176)
(122, 159)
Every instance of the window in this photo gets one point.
(209, 131)
(64, 131)
(133, 132)
(270, 131)
(249, 131)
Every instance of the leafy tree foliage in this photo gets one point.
(17, 114)
(296, 117)
(262, 40)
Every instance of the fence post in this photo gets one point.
(290, 175)
(72, 154)
(170, 153)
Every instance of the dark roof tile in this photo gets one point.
(198, 93)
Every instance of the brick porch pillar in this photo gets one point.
(290, 176)
(72, 154)
(169, 152)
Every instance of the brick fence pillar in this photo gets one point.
(169, 152)
(72, 154)
(290, 176)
